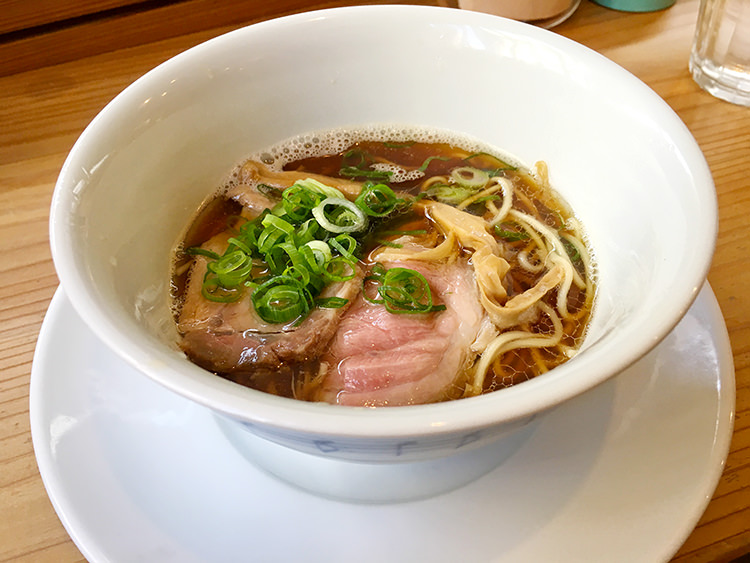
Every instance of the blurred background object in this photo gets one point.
(544, 13)
(636, 5)
(720, 58)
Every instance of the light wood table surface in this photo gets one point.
(42, 112)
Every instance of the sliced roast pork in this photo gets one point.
(379, 358)
(231, 338)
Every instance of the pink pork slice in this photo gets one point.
(386, 359)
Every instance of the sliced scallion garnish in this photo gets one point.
(427, 161)
(356, 164)
(570, 248)
(353, 172)
(331, 302)
(198, 251)
(450, 194)
(503, 165)
(377, 200)
(281, 299)
(401, 290)
(470, 177)
(338, 269)
(288, 254)
(506, 232)
(344, 216)
(390, 244)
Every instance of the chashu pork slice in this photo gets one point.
(384, 359)
(231, 338)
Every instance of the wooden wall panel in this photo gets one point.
(155, 21)
(18, 15)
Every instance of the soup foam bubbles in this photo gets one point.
(335, 141)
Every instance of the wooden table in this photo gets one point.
(43, 110)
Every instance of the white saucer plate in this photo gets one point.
(621, 473)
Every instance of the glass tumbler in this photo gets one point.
(720, 58)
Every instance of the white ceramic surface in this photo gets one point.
(620, 473)
(624, 161)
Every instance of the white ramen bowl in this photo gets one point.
(625, 163)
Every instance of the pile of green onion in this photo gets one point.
(311, 238)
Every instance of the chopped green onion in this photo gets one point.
(281, 299)
(198, 251)
(503, 165)
(277, 223)
(249, 232)
(345, 244)
(286, 256)
(293, 253)
(319, 187)
(377, 200)
(427, 161)
(273, 191)
(241, 245)
(503, 230)
(214, 291)
(331, 302)
(356, 163)
(298, 201)
(276, 259)
(377, 270)
(317, 254)
(354, 172)
(338, 269)
(306, 232)
(470, 177)
(232, 269)
(572, 251)
(299, 273)
(268, 238)
(452, 195)
(490, 197)
(345, 216)
(402, 290)
(390, 243)
(228, 263)
(355, 153)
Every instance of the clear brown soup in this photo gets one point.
(531, 197)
